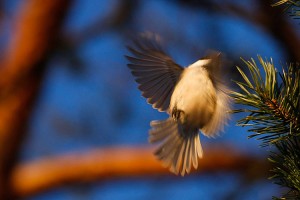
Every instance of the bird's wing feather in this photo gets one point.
(223, 101)
(220, 116)
(155, 72)
(214, 66)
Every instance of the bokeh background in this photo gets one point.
(67, 97)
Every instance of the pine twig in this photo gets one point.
(273, 107)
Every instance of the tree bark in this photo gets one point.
(35, 28)
(117, 162)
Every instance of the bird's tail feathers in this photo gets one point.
(179, 148)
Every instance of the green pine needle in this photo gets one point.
(273, 99)
(287, 166)
(292, 7)
(272, 102)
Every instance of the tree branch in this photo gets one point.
(36, 27)
(115, 162)
(267, 17)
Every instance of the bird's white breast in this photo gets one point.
(195, 95)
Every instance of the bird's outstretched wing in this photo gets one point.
(154, 71)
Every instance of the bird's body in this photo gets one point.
(194, 95)
(194, 98)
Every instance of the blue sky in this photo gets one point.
(100, 105)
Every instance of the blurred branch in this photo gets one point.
(117, 18)
(35, 28)
(278, 25)
(290, 5)
(114, 162)
(265, 16)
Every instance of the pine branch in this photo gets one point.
(273, 107)
(287, 170)
(292, 7)
(273, 101)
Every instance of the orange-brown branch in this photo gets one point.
(36, 26)
(99, 164)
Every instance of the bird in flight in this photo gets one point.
(194, 97)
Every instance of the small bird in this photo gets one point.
(195, 98)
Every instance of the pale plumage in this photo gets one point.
(194, 97)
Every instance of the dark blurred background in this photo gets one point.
(66, 94)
